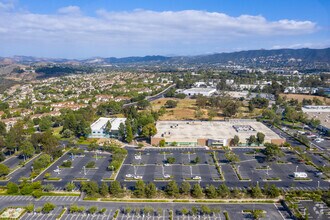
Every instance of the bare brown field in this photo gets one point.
(300, 97)
(185, 110)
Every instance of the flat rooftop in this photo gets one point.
(190, 131)
(101, 122)
(324, 117)
(198, 89)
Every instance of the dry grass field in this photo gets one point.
(300, 97)
(185, 110)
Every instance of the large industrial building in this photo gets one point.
(98, 127)
(320, 112)
(199, 91)
(211, 133)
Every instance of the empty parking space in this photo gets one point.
(169, 164)
(42, 216)
(79, 169)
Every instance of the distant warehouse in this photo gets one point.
(99, 127)
(199, 91)
(211, 133)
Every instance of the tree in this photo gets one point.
(212, 113)
(223, 191)
(196, 160)
(67, 133)
(211, 192)
(91, 188)
(162, 143)
(139, 189)
(41, 162)
(171, 104)
(257, 214)
(129, 134)
(234, 141)
(185, 188)
(143, 104)
(197, 191)
(12, 188)
(272, 151)
(2, 129)
(150, 190)
(232, 157)
(251, 140)
(48, 187)
(121, 131)
(92, 146)
(48, 207)
(29, 207)
(231, 108)
(115, 189)
(27, 149)
(107, 128)
(272, 191)
(171, 160)
(104, 189)
(70, 186)
(205, 210)
(260, 138)
(92, 210)
(184, 211)
(45, 124)
(149, 130)
(256, 192)
(172, 189)
(4, 170)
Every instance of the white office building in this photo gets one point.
(98, 127)
(199, 91)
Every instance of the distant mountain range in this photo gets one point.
(278, 57)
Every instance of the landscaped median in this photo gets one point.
(217, 166)
(136, 200)
(239, 175)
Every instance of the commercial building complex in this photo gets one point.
(211, 133)
(320, 112)
(199, 91)
(98, 127)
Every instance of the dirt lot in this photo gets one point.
(185, 110)
(300, 97)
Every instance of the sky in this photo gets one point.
(119, 28)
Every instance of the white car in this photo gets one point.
(166, 164)
(138, 177)
(128, 175)
(166, 176)
(137, 157)
(197, 178)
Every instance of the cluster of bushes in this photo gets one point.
(46, 208)
(25, 188)
(117, 158)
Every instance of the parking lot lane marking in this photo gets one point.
(279, 211)
(65, 215)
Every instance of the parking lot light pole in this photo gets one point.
(267, 170)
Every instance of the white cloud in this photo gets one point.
(74, 10)
(143, 28)
(7, 5)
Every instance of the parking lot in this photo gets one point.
(153, 164)
(254, 167)
(13, 162)
(79, 170)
